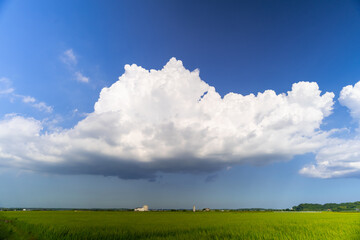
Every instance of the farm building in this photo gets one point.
(145, 208)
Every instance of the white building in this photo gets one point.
(145, 208)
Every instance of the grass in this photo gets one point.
(39, 225)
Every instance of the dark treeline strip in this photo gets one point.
(338, 207)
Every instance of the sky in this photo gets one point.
(219, 104)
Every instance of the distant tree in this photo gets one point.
(351, 206)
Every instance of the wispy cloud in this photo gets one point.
(69, 58)
(36, 104)
(42, 107)
(81, 78)
(28, 99)
(5, 86)
(7, 90)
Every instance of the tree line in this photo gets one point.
(338, 207)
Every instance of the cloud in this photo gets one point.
(69, 58)
(81, 78)
(350, 97)
(28, 99)
(41, 106)
(6, 89)
(169, 120)
(340, 157)
(5, 86)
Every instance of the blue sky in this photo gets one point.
(166, 138)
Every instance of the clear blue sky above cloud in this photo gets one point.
(56, 58)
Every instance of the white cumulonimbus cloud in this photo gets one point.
(169, 120)
(340, 157)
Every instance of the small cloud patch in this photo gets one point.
(69, 58)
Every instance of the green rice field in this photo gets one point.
(178, 225)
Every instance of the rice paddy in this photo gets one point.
(39, 225)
